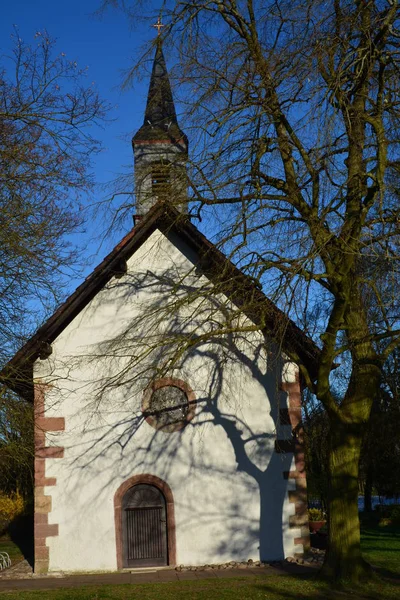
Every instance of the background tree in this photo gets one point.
(316, 431)
(46, 141)
(380, 457)
(16, 445)
(46, 116)
(296, 105)
(380, 453)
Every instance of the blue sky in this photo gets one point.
(107, 46)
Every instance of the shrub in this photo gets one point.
(385, 522)
(11, 507)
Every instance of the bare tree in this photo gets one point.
(295, 106)
(46, 144)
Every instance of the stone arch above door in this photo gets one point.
(169, 499)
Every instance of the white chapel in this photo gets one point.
(168, 416)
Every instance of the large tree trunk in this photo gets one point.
(343, 558)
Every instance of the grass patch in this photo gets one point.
(381, 547)
(257, 588)
(7, 545)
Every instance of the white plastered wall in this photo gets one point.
(231, 500)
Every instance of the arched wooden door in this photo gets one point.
(144, 527)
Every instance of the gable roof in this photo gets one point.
(238, 287)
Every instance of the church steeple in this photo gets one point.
(160, 147)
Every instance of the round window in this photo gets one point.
(168, 404)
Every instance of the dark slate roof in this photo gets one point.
(239, 288)
(160, 120)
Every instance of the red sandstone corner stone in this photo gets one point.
(45, 481)
(298, 495)
(50, 452)
(300, 508)
(41, 566)
(42, 552)
(294, 474)
(303, 541)
(50, 423)
(41, 518)
(45, 530)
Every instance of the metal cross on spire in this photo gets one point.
(159, 25)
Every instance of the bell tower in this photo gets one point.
(160, 147)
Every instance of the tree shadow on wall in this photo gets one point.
(181, 326)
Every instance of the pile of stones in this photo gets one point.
(313, 558)
(19, 570)
(233, 564)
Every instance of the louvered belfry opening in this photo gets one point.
(161, 181)
(144, 526)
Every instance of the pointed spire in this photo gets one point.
(160, 109)
(160, 121)
(160, 147)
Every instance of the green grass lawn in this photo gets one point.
(257, 588)
(381, 547)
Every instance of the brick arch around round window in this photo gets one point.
(151, 419)
(169, 500)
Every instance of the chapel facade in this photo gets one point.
(167, 414)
